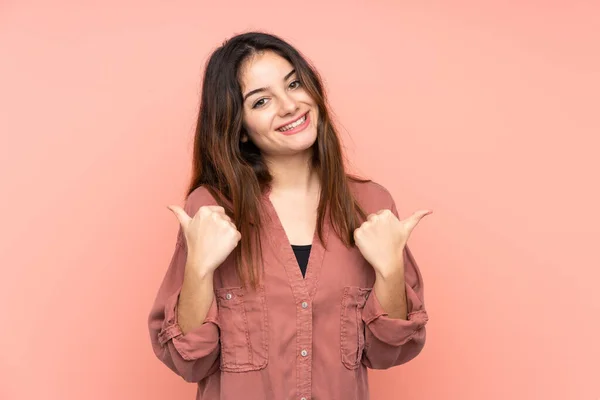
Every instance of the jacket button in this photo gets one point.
(304, 353)
(304, 304)
(228, 296)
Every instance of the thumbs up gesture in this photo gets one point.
(382, 237)
(210, 236)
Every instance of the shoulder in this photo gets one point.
(199, 197)
(371, 195)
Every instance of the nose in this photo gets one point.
(289, 105)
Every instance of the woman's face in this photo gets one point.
(273, 99)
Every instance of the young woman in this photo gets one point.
(289, 277)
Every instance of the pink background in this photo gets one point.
(487, 113)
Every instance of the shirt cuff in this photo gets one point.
(393, 331)
(196, 343)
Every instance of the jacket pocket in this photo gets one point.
(352, 329)
(244, 331)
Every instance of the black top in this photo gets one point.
(302, 252)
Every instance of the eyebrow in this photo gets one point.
(250, 93)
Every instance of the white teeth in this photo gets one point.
(293, 124)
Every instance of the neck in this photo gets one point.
(293, 174)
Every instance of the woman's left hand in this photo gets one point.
(382, 237)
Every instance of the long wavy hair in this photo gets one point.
(235, 172)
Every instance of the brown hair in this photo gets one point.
(235, 173)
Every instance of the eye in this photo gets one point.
(298, 84)
(258, 103)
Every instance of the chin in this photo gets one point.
(299, 148)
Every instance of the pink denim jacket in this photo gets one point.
(300, 338)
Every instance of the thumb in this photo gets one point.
(414, 219)
(181, 215)
(421, 213)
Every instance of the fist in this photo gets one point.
(210, 236)
(382, 237)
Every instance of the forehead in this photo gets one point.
(263, 69)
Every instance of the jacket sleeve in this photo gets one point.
(195, 355)
(390, 341)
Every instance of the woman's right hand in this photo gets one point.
(210, 236)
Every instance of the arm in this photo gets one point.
(183, 319)
(195, 299)
(387, 290)
(395, 316)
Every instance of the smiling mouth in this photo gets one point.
(294, 124)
